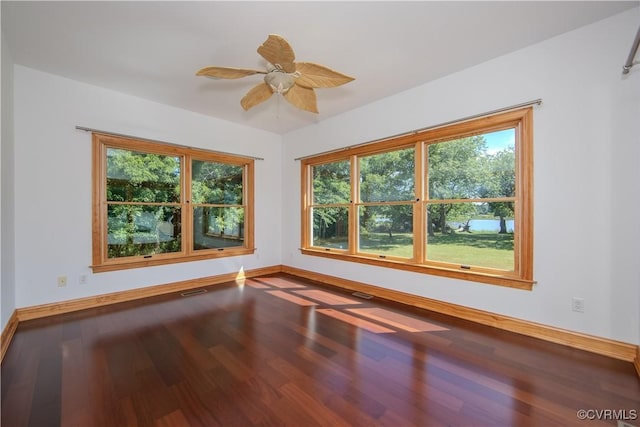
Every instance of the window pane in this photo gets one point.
(135, 230)
(142, 177)
(332, 183)
(217, 227)
(474, 167)
(386, 230)
(471, 234)
(388, 177)
(216, 183)
(331, 227)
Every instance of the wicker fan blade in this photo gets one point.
(227, 72)
(255, 96)
(315, 75)
(278, 52)
(302, 97)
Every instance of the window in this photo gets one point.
(385, 203)
(157, 203)
(454, 201)
(330, 204)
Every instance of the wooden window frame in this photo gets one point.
(521, 278)
(100, 260)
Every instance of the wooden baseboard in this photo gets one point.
(34, 312)
(615, 349)
(611, 348)
(7, 333)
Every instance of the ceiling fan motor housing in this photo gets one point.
(279, 81)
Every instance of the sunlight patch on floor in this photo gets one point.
(356, 321)
(327, 297)
(397, 320)
(291, 298)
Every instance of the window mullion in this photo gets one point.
(187, 209)
(354, 233)
(419, 213)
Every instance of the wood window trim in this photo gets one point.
(521, 278)
(100, 261)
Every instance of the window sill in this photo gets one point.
(490, 279)
(164, 260)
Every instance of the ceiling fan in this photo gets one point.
(295, 81)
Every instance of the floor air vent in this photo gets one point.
(362, 295)
(194, 292)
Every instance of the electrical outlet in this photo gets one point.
(83, 279)
(577, 304)
(62, 281)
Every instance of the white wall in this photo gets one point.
(7, 217)
(586, 151)
(53, 184)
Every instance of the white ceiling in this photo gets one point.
(152, 49)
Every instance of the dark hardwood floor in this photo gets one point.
(281, 351)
